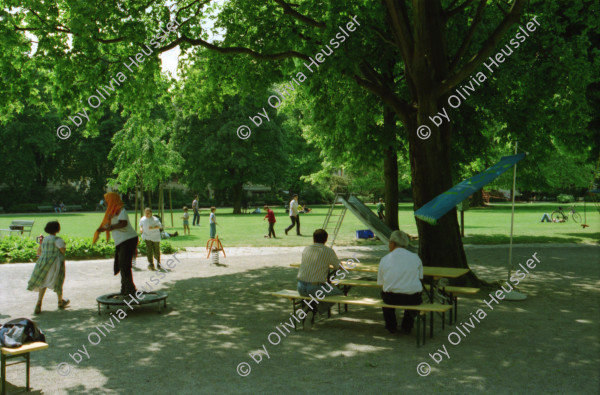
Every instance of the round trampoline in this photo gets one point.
(116, 299)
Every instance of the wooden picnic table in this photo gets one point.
(432, 274)
(436, 272)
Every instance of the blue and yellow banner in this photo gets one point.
(445, 202)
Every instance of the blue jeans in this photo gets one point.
(196, 219)
(308, 289)
(213, 230)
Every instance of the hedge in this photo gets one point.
(21, 249)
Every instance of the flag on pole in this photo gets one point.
(441, 204)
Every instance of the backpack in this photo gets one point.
(19, 331)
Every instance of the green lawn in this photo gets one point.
(490, 225)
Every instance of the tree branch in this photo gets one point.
(449, 14)
(288, 10)
(486, 49)
(376, 84)
(398, 16)
(233, 50)
(467, 41)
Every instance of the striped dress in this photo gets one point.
(49, 270)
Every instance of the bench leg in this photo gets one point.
(418, 330)
(455, 308)
(98, 308)
(27, 374)
(3, 374)
(431, 324)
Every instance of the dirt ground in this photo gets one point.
(546, 344)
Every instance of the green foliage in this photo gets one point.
(165, 247)
(564, 198)
(23, 249)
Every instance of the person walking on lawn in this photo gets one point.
(150, 230)
(271, 216)
(196, 219)
(294, 216)
(49, 270)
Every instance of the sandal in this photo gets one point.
(63, 303)
(38, 308)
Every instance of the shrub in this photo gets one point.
(564, 198)
(165, 247)
(21, 249)
(23, 208)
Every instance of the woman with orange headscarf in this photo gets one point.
(116, 221)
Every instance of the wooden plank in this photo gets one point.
(430, 271)
(25, 348)
(430, 307)
(373, 284)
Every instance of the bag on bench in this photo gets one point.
(16, 227)
(19, 331)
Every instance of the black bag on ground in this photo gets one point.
(19, 331)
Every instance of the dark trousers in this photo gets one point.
(124, 253)
(271, 230)
(381, 216)
(196, 219)
(295, 221)
(389, 315)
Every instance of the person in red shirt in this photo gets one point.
(271, 216)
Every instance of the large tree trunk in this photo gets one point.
(390, 169)
(477, 199)
(441, 244)
(237, 191)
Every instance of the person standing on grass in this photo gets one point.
(49, 270)
(400, 272)
(116, 221)
(294, 216)
(150, 230)
(196, 219)
(271, 216)
(381, 210)
(186, 221)
(212, 220)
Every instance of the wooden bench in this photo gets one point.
(23, 352)
(422, 309)
(45, 208)
(19, 226)
(450, 293)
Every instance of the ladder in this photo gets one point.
(332, 224)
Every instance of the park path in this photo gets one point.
(216, 316)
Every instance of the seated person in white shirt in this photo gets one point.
(400, 273)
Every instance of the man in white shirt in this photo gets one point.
(294, 216)
(150, 230)
(400, 272)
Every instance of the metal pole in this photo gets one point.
(512, 215)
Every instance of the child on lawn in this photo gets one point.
(271, 216)
(186, 220)
(213, 222)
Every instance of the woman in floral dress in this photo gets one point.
(49, 270)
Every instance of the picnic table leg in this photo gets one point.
(98, 308)
(27, 374)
